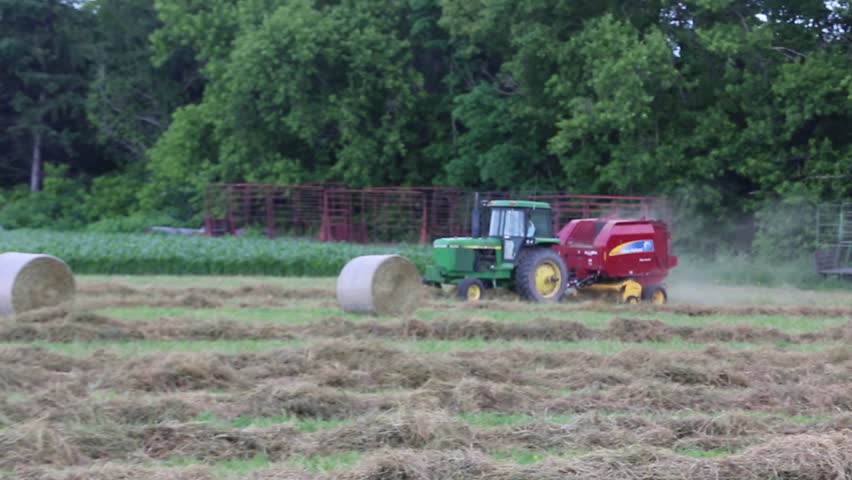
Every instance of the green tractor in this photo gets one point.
(510, 246)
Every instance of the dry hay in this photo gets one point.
(379, 285)
(581, 433)
(454, 329)
(30, 281)
(630, 330)
(38, 442)
(114, 471)
(60, 324)
(813, 457)
(406, 428)
(510, 302)
(407, 464)
(221, 329)
(178, 371)
(204, 442)
(302, 400)
(146, 410)
(621, 328)
(731, 430)
(372, 364)
(28, 368)
(473, 395)
(739, 333)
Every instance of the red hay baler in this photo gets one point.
(627, 259)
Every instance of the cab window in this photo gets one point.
(506, 222)
(543, 221)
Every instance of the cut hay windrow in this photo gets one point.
(449, 393)
(71, 325)
(110, 294)
(567, 305)
(304, 381)
(550, 329)
(813, 457)
(112, 471)
(66, 443)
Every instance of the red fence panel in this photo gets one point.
(332, 212)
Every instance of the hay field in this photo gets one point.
(217, 377)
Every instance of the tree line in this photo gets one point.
(117, 108)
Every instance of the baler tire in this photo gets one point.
(470, 290)
(656, 295)
(525, 275)
(632, 300)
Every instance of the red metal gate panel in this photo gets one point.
(332, 212)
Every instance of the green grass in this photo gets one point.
(305, 425)
(305, 311)
(326, 463)
(233, 468)
(288, 316)
(602, 347)
(142, 254)
(240, 468)
(704, 454)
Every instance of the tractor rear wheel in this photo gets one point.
(470, 289)
(541, 276)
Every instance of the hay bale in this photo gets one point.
(30, 281)
(379, 285)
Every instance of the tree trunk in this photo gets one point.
(37, 171)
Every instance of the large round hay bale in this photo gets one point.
(379, 285)
(29, 281)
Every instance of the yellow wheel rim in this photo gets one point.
(632, 300)
(658, 297)
(474, 292)
(548, 278)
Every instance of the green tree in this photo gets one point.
(130, 100)
(308, 91)
(45, 51)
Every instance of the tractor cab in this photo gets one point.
(517, 224)
(510, 245)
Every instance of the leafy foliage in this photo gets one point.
(729, 107)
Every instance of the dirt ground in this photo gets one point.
(191, 378)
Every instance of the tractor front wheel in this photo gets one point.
(470, 289)
(541, 276)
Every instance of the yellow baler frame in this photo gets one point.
(626, 291)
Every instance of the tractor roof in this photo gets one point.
(517, 204)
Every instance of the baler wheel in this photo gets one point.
(658, 295)
(541, 276)
(470, 289)
(632, 300)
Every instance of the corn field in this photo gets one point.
(155, 254)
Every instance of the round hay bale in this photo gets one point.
(379, 285)
(30, 281)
